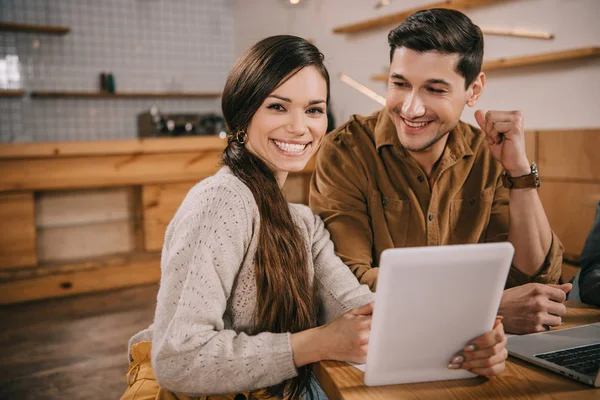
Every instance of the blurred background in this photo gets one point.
(189, 47)
(110, 112)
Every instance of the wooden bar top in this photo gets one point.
(110, 163)
(520, 380)
(111, 147)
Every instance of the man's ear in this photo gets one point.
(475, 90)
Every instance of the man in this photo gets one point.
(412, 174)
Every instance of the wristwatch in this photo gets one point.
(531, 180)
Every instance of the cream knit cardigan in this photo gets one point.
(207, 295)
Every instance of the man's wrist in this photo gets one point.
(523, 169)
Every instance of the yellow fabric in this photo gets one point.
(142, 384)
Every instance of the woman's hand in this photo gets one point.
(485, 355)
(347, 337)
(343, 339)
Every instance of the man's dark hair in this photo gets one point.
(444, 31)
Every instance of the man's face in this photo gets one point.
(426, 97)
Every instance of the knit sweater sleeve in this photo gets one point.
(192, 353)
(337, 288)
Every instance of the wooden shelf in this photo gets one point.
(398, 17)
(20, 27)
(521, 33)
(122, 95)
(513, 62)
(544, 58)
(12, 93)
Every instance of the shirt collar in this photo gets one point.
(385, 131)
(457, 146)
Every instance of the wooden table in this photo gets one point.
(519, 380)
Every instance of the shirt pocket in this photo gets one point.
(469, 217)
(389, 221)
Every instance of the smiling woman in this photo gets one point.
(281, 106)
(245, 276)
(288, 127)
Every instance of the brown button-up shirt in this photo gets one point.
(372, 195)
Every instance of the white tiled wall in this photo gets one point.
(148, 45)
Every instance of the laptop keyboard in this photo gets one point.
(585, 359)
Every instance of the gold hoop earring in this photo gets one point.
(241, 136)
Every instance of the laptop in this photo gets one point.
(430, 302)
(572, 352)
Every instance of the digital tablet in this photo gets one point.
(430, 302)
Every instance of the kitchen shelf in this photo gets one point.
(521, 33)
(12, 93)
(398, 17)
(21, 27)
(122, 95)
(543, 58)
(513, 62)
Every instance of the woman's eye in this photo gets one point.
(315, 110)
(276, 106)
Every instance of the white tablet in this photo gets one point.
(430, 302)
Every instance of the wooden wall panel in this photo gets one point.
(569, 154)
(92, 276)
(531, 145)
(82, 207)
(77, 242)
(159, 203)
(570, 207)
(17, 230)
(76, 225)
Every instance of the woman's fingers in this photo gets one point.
(491, 371)
(487, 362)
(489, 352)
(484, 355)
(488, 339)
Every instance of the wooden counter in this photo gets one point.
(78, 217)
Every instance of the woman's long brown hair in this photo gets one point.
(285, 296)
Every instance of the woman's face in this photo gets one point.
(288, 127)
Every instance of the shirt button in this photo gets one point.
(431, 217)
(420, 178)
(472, 202)
(384, 202)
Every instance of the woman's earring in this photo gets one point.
(241, 136)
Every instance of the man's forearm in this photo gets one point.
(529, 230)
